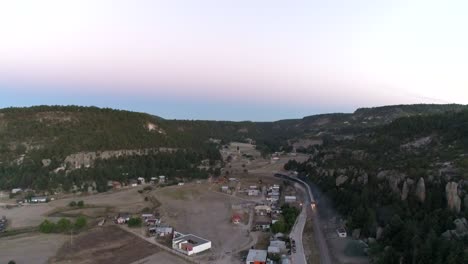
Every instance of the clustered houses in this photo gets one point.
(189, 244)
(268, 213)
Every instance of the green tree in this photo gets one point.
(47, 227)
(72, 204)
(80, 204)
(63, 225)
(80, 222)
(134, 222)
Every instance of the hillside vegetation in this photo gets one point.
(39, 145)
(402, 186)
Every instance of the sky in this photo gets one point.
(233, 60)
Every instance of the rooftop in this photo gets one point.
(192, 239)
(257, 255)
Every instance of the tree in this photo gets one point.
(47, 227)
(80, 203)
(134, 222)
(72, 204)
(279, 227)
(63, 225)
(80, 222)
(11, 262)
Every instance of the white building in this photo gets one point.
(290, 199)
(253, 192)
(16, 190)
(256, 256)
(39, 199)
(189, 244)
(162, 179)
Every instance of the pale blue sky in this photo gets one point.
(207, 59)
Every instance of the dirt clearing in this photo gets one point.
(109, 244)
(30, 248)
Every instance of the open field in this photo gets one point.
(30, 248)
(127, 200)
(108, 244)
(195, 209)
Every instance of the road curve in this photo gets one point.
(318, 232)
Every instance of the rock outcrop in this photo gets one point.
(46, 162)
(86, 159)
(460, 231)
(420, 191)
(340, 180)
(453, 200)
(404, 191)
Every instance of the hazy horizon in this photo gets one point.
(233, 60)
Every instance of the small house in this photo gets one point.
(162, 179)
(253, 192)
(16, 190)
(262, 209)
(160, 231)
(224, 189)
(152, 221)
(123, 218)
(256, 256)
(180, 184)
(290, 199)
(141, 180)
(39, 199)
(236, 219)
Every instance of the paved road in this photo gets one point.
(318, 232)
(296, 234)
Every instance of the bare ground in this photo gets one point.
(197, 210)
(108, 244)
(30, 248)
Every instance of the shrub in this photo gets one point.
(80, 204)
(134, 222)
(47, 227)
(63, 225)
(11, 262)
(72, 204)
(80, 222)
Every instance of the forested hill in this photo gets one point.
(57, 131)
(402, 187)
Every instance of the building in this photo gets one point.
(273, 198)
(180, 184)
(290, 199)
(225, 189)
(277, 246)
(162, 179)
(141, 180)
(189, 244)
(341, 232)
(39, 199)
(116, 185)
(236, 219)
(256, 256)
(123, 218)
(253, 192)
(16, 190)
(262, 223)
(262, 209)
(160, 231)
